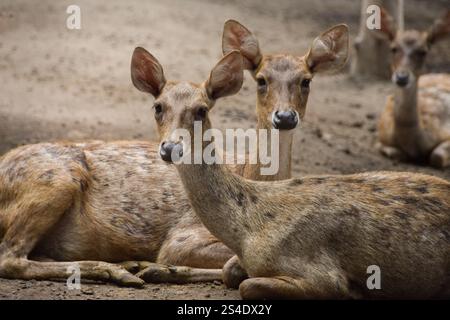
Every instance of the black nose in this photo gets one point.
(284, 120)
(401, 78)
(171, 151)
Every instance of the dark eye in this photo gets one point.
(200, 114)
(394, 50)
(262, 84)
(158, 110)
(305, 83)
(421, 53)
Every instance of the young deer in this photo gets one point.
(117, 201)
(415, 123)
(110, 202)
(283, 84)
(315, 237)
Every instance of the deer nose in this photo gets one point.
(401, 78)
(170, 151)
(284, 120)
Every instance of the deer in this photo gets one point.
(51, 217)
(312, 237)
(415, 122)
(283, 86)
(108, 207)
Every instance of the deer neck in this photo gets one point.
(406, 114)
(284, 141)
(220, 199)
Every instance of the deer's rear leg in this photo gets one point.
(288, 288)
(440, 157)
(194, 247)
(30, 217)
(22, 268)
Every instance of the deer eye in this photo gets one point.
(262, 84)
(421, 53)
(200, 113)
(305, 83)
(158, 110)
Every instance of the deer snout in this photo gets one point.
(401, 78)
(284, 120)
(170, 151)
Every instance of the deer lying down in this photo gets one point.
(315, 237)
(415, 123)
(112, 202)
(102, 203)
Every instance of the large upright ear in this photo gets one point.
(388, 29)
(237, 37)
(440, 28)
(329, 51)
(226, 77)
(146, 72)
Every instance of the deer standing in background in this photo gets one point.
(314, 237)
(415, 123)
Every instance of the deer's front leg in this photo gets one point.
(233, 273)
(135, 266)
(160, 273)
(440, 157)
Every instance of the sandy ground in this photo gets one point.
(75, 84)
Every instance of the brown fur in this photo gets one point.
(108, 202)
(415, 123)
(314, 237)
(283, 74)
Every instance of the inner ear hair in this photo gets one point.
(147, 73)
(237, 37)
(440, 28)
(388, 27)
(226, 77)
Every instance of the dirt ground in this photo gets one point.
(75, 84)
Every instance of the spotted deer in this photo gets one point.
(283, 84)
(98, 204)
(415, 123)
(316, 236)
(109, 202)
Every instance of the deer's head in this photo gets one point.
(178, 104)
(283, 80)
(410, 48)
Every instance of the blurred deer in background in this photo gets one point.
(283, 84)
(415, 123)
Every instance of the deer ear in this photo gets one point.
(237, 37)
(226, 77)
(329, 51)
(440, 28)
(387, 30)
(146, 72)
